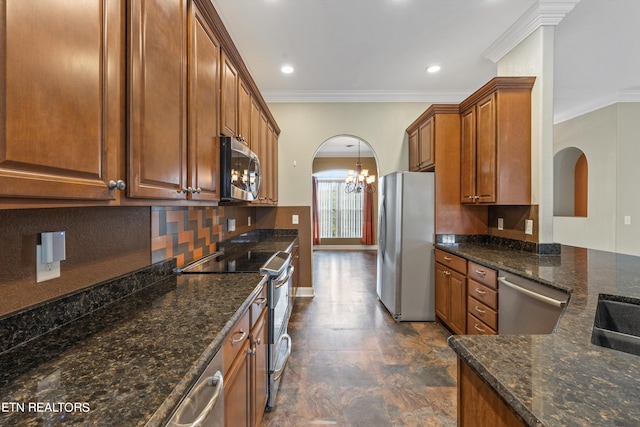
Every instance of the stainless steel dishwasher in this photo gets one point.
(527, 307)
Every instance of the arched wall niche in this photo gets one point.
(570, 182)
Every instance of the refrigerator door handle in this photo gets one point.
(383, 227)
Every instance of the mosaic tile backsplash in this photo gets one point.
(186, 233)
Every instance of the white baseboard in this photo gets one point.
(305, 292)
(345, 248)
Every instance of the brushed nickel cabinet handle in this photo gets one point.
(479, 310)
(481, 272)
(117, 185)
(242, 337)
(478, 328)
(480, 291)
(448, 258)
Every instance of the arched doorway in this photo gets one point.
(344, 214)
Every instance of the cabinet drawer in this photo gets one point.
(486, 314)
(452, 261)
(482, 274)
(483, 293)
(478, 327)
(234, 340)
(258, 305)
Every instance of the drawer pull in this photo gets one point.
(260, 301)
(447, 273)
(242, 337)
(480, 291)
(448, 258)
(481, 272)
(479, 310)
(479, 329)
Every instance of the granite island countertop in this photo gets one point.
(559, 379)
(130, 362)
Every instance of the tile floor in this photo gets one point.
(353, 365)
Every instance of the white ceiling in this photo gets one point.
(377, 50)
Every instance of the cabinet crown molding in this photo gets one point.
(498, 83)
(431, 111)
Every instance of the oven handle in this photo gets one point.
(278, 373)
(216, 381)
(289, 272)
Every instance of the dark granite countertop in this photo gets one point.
(130, 362)
(560, 379)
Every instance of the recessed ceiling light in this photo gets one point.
(287, 69)
(433, 69)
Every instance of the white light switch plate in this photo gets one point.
(295, 219)
(500, 223)
(528, 226)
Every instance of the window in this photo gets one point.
(339, 212)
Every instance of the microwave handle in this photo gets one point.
(255, 160)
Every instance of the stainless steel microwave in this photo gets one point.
(239, 171)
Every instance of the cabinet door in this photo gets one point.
(468, 156)
(486, 150)
(157, 99)
(236, 390)
(458, 289)
(442, 292)
(259, 370)
(414, 156)
(263, 154)
(244, 113)
(228, 96)
(256, 111)
(204, 142)
(61, 85)
(272, 190)
(427, 147)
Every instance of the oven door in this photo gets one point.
(279, 304)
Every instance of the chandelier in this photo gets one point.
(359, 180)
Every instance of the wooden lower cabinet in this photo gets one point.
(246, 366)
(479, 405)
(236, 390)
(259, 369)
(450, 290)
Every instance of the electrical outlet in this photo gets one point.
(500, 223)
(295, 219)
(249, 221)
(231, 225)
(627, 220)
(528, 226)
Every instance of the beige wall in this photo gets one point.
(534, 57)
(609, 139)
(305, 126)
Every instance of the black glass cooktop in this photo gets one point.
(245, 262)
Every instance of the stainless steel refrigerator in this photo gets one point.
(405, 247)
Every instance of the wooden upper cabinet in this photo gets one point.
(426, 140)
(157, 158)
(228, 96)
(61, 109)
(414, 152)
(204, 105)
(254, 141)
(496, 143)
(424, 134)
(272, 166)
(244, 113)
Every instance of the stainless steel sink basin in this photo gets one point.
(617, 323)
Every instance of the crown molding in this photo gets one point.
(543, 13)
(631, 95)
(294, 96)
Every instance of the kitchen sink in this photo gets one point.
(617, 323)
